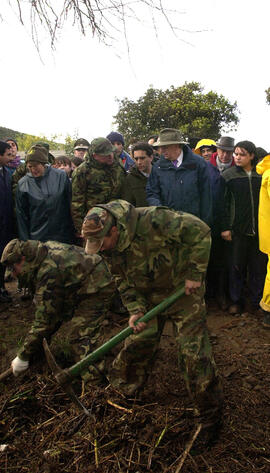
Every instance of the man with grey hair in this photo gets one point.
(180, 179)
(223, 158)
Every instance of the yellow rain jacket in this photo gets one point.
(263, 168)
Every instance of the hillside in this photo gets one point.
(8, 133)
(25, 141)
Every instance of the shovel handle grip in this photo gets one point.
(99, 353)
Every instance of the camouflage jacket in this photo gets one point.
(17, 175)
(62, 276)
(156, 251)
(94, 183)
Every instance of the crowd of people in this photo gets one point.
(104, 223)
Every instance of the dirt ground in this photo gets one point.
(42, 431)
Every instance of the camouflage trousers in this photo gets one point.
(133, 364)
(89, 329)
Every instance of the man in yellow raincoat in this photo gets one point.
(264, 231)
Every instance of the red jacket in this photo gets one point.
(213, 160)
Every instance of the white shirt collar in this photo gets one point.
(180, 159)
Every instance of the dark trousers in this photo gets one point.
(247, 261)
(217, 277)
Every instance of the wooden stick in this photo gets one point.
(5, 374)
(188, 448)
(130, 411)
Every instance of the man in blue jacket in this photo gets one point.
(180, 179)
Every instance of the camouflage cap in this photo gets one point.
(12, 253)
(101, 146)
(95, 227)
(38, 154)
(81, 143)
(170, 136)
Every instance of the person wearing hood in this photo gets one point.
(205, 148)
(263, 168)
(63, 279)
(98, 180)
(154, 251)
(21, 170)
(43, 198)
(136, 180)
(179, 179)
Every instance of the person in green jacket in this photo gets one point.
(154, 251)
(135, 183)
(63, 280)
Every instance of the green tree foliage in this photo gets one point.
(268, 95)
(69, 144)
(186, 107)
(26, 141)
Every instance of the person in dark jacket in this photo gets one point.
(43, 199)
(6, 211)
(134, 185)
(180, 179)
(242, 192)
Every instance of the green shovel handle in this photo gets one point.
(82, 365)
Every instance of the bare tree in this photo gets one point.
(105, 19)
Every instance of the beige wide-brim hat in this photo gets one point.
(170, 136)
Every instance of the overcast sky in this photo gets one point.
(73, 90)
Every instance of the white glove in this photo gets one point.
(18, 366)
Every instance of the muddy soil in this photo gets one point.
(42, 431)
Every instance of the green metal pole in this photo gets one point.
(76, 369)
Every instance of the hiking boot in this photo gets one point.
(266, 319)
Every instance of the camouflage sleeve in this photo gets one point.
(100, 278)
(78, 203)
(51, 310)
(17, 175)
(195, 236)
(133, 300)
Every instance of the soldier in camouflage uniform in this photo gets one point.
(156, 250)
(64, 279)
(98, 180)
